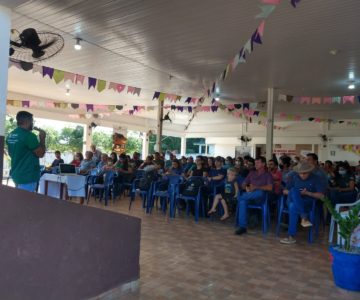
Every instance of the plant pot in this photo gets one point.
(346, 269)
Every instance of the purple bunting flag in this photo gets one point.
(181, 108)
(188, 100)
(214, 108)
(26, 103)
(89, 107)
(91, 82)
(156, 95)
(48, 71)
(295, 2)
(190, 109)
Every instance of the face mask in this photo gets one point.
(342, 172)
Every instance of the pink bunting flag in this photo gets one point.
(120, 87)
(112, 86)
(282, 115)
(130, 90)
(69, 76)
(348, 99)
(194, 100)
(79, 79)
(100, 107)
(327, 100)
(231, 106)
(49, 104)
(297, 118)
(261, 28)
(82, 106)
(237, 114)
(305, 100)
(316, 100)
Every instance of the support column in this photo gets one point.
(183, 146)
(87, 138)
(159, 126)
(270, 124)
(5, 27)
(145, 146)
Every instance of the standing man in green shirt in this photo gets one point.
(25, 149)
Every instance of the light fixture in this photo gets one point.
(77, 45)
(67, 92)
(217, 99)
(334, 52)
(217, 90)
(351, 75)
(351, 86)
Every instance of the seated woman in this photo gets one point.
(302, 190)
(342, 188)
(78, 158)
(199, 170)
(148, 162)
(231, 190)
(113, 157)
(175, 169)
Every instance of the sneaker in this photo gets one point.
(288, 241)
(240, 231)
(305, 223)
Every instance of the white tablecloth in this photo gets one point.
(75, 185)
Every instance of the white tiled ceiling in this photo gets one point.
(141, 42)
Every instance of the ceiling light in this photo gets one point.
(67, 92)
(217, 90)
(334, 51)
(351, 86)
(217, 99)
(351, 75)
(77, 45)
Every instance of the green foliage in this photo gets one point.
(168, 143)
(72, 138)
(133, 144)
(347, 224)
(103, 141)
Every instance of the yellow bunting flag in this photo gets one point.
(101, 85)
(58, 76)
(162, 97)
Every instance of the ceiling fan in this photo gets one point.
(31, 46)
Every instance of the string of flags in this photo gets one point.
(320, 100)
(352, 148)
(267, 7)
(99, 85)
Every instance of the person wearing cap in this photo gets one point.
(304, 187)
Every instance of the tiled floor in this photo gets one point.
(184, 260)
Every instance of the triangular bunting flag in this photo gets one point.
(101, 85)
(58, 76)
(266, 11)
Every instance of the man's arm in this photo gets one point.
(41, 149)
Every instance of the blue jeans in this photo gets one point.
(255, 197)
(30, 187)
(298, 206)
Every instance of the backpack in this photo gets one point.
(145, 182)
(191, 186)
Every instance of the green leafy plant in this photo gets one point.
(347, 224)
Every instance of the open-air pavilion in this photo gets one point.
(261, 77)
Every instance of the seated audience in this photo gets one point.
(217, 174)
(313, 160)
(199, 170)
(114, 157)
(148, 162)
(285, 167)
(189, 165)
(276, 175)
(169, 162)
(175, 168)
(255, 184)
(78, 158)
(342, 188)
(136, 160)
(87, 164)
(96, 154)
(211, 163)
(58, 160)
(302, 190)
(230, 193)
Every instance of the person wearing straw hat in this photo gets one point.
(302, 190)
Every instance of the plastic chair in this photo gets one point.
(263, 207)
(128, 185)
(104, 188)
(313, 217)
(168, 194)
(332, 222)
(144, 194)
(196, 199)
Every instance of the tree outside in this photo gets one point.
(168, 143)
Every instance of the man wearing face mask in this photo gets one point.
(25, 149)
(343, 185)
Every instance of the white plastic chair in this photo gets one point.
(344, 214)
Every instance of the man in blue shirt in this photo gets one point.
(302, 190)
(313, 160)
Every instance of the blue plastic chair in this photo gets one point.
(105, 188)
(196, 199)
(128, 185)
(165, 196)
(265, 214)
(314, 215)
(144, 194)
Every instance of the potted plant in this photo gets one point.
(346, 258)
